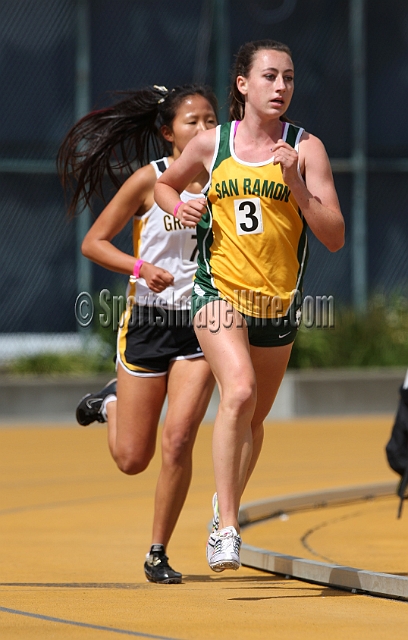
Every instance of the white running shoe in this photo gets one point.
(216, 514)
(223, 549)
(211, 546)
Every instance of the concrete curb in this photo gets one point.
(302, 393)
(331, 575)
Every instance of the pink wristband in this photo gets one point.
(177, 207)
(136, 268)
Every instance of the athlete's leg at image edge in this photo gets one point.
(248, 379)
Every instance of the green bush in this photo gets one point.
(377, 338)
(61, 364)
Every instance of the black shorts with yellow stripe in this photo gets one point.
(151, 338)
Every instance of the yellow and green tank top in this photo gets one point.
(252, 243)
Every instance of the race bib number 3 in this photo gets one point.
(248, 216)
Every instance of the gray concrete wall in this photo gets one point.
(338, 392)
(302, 393)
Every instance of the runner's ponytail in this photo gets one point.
(112, 142)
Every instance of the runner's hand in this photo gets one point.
(157, 279)
(189, 213)
(287, 157)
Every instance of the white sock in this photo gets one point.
(109, 398)
(405, 384)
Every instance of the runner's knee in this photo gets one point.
(132, 462)
(176, 446)
(240, 396)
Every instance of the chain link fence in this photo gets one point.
(132, 43)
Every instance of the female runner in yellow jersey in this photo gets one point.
(268, 181)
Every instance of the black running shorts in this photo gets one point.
(150, 338)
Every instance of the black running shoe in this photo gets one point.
(157, 568)
(89, 408)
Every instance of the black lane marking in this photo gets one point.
(85, 625)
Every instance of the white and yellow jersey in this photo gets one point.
(159, 238)
(252, 240)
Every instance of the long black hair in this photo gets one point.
(110, 141)
(242, 67)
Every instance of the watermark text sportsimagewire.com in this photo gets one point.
(111, 310)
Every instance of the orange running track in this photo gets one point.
(74, 532)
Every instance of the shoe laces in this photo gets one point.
(157, 557)
(227, 539)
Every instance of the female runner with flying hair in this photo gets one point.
(158, 353)
(268, 181)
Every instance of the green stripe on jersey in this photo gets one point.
(224, 150)
(292, 135)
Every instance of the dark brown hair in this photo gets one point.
(242, 67)
(107, 142)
